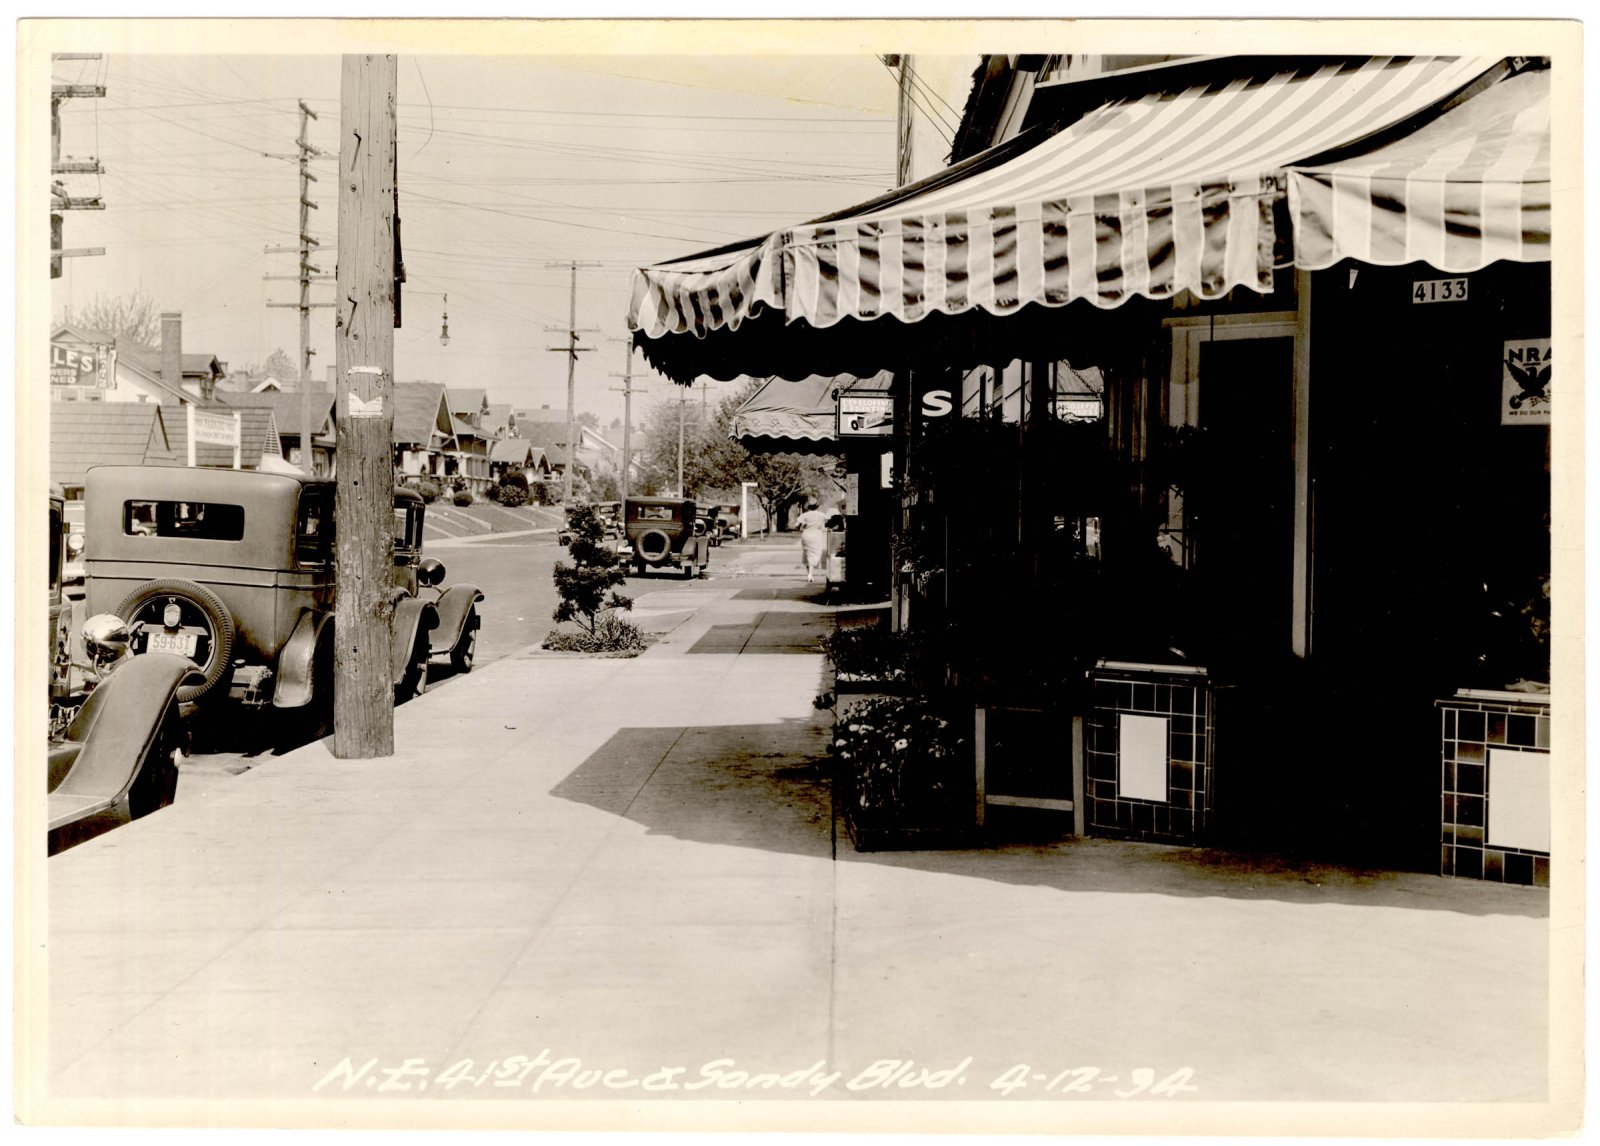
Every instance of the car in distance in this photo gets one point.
(235, 570)
(666, 533)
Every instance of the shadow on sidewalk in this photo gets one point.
(767, 786)
(768, 632)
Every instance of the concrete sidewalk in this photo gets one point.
(634, 864)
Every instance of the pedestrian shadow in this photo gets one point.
(769, 787)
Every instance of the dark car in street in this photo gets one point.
(666, 533)
(235, 570)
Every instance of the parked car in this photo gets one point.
(72, 572)
(666, 533)
(610, 514)
(235, 570)
(728, 521)
(113, 751)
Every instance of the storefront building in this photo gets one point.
(1232, 378)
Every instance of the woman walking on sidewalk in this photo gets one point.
(813, 525)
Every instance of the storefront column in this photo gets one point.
(1300, 625)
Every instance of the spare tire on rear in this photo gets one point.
(198, 603)
(652, 546)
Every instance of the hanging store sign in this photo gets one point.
(81, 364)
(869, 415)
(1525, 382)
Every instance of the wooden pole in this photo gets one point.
(572, 365)
(306, 205)
(363, 691)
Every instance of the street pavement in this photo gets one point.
(603, 878)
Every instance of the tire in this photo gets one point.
(156, 783)
(211, 611)
(638, 568)
(652, 546)
(415, 681)
(688, 572)
(466, 646)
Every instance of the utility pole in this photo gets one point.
(903, 122)
(627, 414)
(60, 198)
(363, 692)
(308, 274)
(571, 350)
(683, 400)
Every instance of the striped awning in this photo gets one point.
(1468, 189)
(785, 415)
(1144, 196)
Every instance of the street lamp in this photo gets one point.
(444, 326)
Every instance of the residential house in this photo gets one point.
(499, 420)
(90, 366)
(287, 410)
(549, 436)
(517, 455)
(424, 433)
(88, 434)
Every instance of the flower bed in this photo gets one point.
(903, 775)
(871, 658)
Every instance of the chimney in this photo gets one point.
(172, 349)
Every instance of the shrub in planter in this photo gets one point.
(491, 493)
(872, 653)
(613, 634)
(904, 774)
(462, 497)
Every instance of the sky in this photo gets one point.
(508, 166)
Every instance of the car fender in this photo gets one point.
(411, 616)
(452, 606)
(112, 733)
(297, 659)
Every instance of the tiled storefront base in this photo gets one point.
(1148, 753)
(1495, 824)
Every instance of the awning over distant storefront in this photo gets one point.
(797, 416)
(1468, 189)
(1142, 197)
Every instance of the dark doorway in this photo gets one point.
(1243, 518)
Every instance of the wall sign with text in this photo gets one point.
(865, 415)
(1525, 382)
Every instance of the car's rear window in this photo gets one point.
(655, 513)
(208, 521)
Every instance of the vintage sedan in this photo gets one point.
(666, 533)
(235, 571)
(114, 737)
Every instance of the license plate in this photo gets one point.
(180, 643)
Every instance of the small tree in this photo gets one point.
(596, 570)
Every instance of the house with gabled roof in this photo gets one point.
(517, 455)
(84, 434)
(424, 434)
(287, 411)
